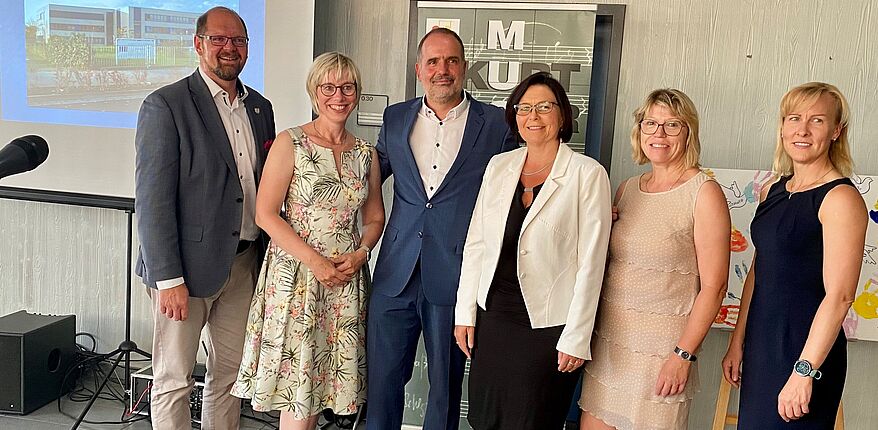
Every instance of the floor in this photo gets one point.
(48, 417)
(107, 412)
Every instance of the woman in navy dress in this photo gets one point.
(788, 352)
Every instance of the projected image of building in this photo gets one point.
(85, 57)
(98, 25)
(105, 59)
(166, 27)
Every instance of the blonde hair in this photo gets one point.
(681, 106)
(807, 95)
(325, 64)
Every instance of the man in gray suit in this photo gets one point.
(200, 149)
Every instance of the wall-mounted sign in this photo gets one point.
(370, 111)
(506, 42)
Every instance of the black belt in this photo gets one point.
(243, 245)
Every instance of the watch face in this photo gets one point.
(803, 367)
(685, 355)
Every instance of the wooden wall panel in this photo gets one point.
(375, 35)
(736, 60)
(58, 259)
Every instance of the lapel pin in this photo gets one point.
(256, 110)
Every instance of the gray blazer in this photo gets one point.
(188, 198)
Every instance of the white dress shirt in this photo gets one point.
(435, 143)
(233, 114)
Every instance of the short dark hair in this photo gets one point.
(202, 20)
(541, 78)
(441, 30)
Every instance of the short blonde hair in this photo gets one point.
(323, 65)
(807, 95)
(682, 107)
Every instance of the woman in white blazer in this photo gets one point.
(532, 267)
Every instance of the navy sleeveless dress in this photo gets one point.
(787, 292)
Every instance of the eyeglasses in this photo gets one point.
(329, 90)
(542, 108)
(239, 41)
(671, 128)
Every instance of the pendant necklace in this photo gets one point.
(523, 173)
(809, 185)
(670, 187)
(332, 144)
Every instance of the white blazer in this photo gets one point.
(562, 246)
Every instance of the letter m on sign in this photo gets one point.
(514, 38)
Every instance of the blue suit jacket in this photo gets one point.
(188, 195)
(433, 229)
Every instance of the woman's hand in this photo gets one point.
(732, 365)
(673, 376)
(326, 272)
(615, 215)
(568, 363)
(465, 335)
(792, 402)
(350, 263)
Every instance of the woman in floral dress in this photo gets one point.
(305, 346)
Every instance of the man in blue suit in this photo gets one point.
(436, 148)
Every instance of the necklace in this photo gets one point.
(523, 173)
(670, 187)
(344, 135)
(808, 185)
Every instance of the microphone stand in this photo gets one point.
(127, 346)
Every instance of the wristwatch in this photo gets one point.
(685, 355)
(805, 369)
(368, 251)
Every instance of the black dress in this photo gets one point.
(787, 292)
(514, 382)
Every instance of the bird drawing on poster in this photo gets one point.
(863, 184)
(867, 255)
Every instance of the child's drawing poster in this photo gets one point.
(742, 188)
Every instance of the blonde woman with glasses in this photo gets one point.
(306, 334)
(666, 278)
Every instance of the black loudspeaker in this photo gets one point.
(35, 353)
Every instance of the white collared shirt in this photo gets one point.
(233, 114)
(435, 143)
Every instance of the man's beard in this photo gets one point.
(227, 73)
(444, 95)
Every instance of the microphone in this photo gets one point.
(22, 155)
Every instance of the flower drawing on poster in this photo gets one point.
(742, 189)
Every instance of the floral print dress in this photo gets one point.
(305, 348)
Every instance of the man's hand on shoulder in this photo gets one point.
(174, 302)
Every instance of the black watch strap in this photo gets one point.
(685, 355)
